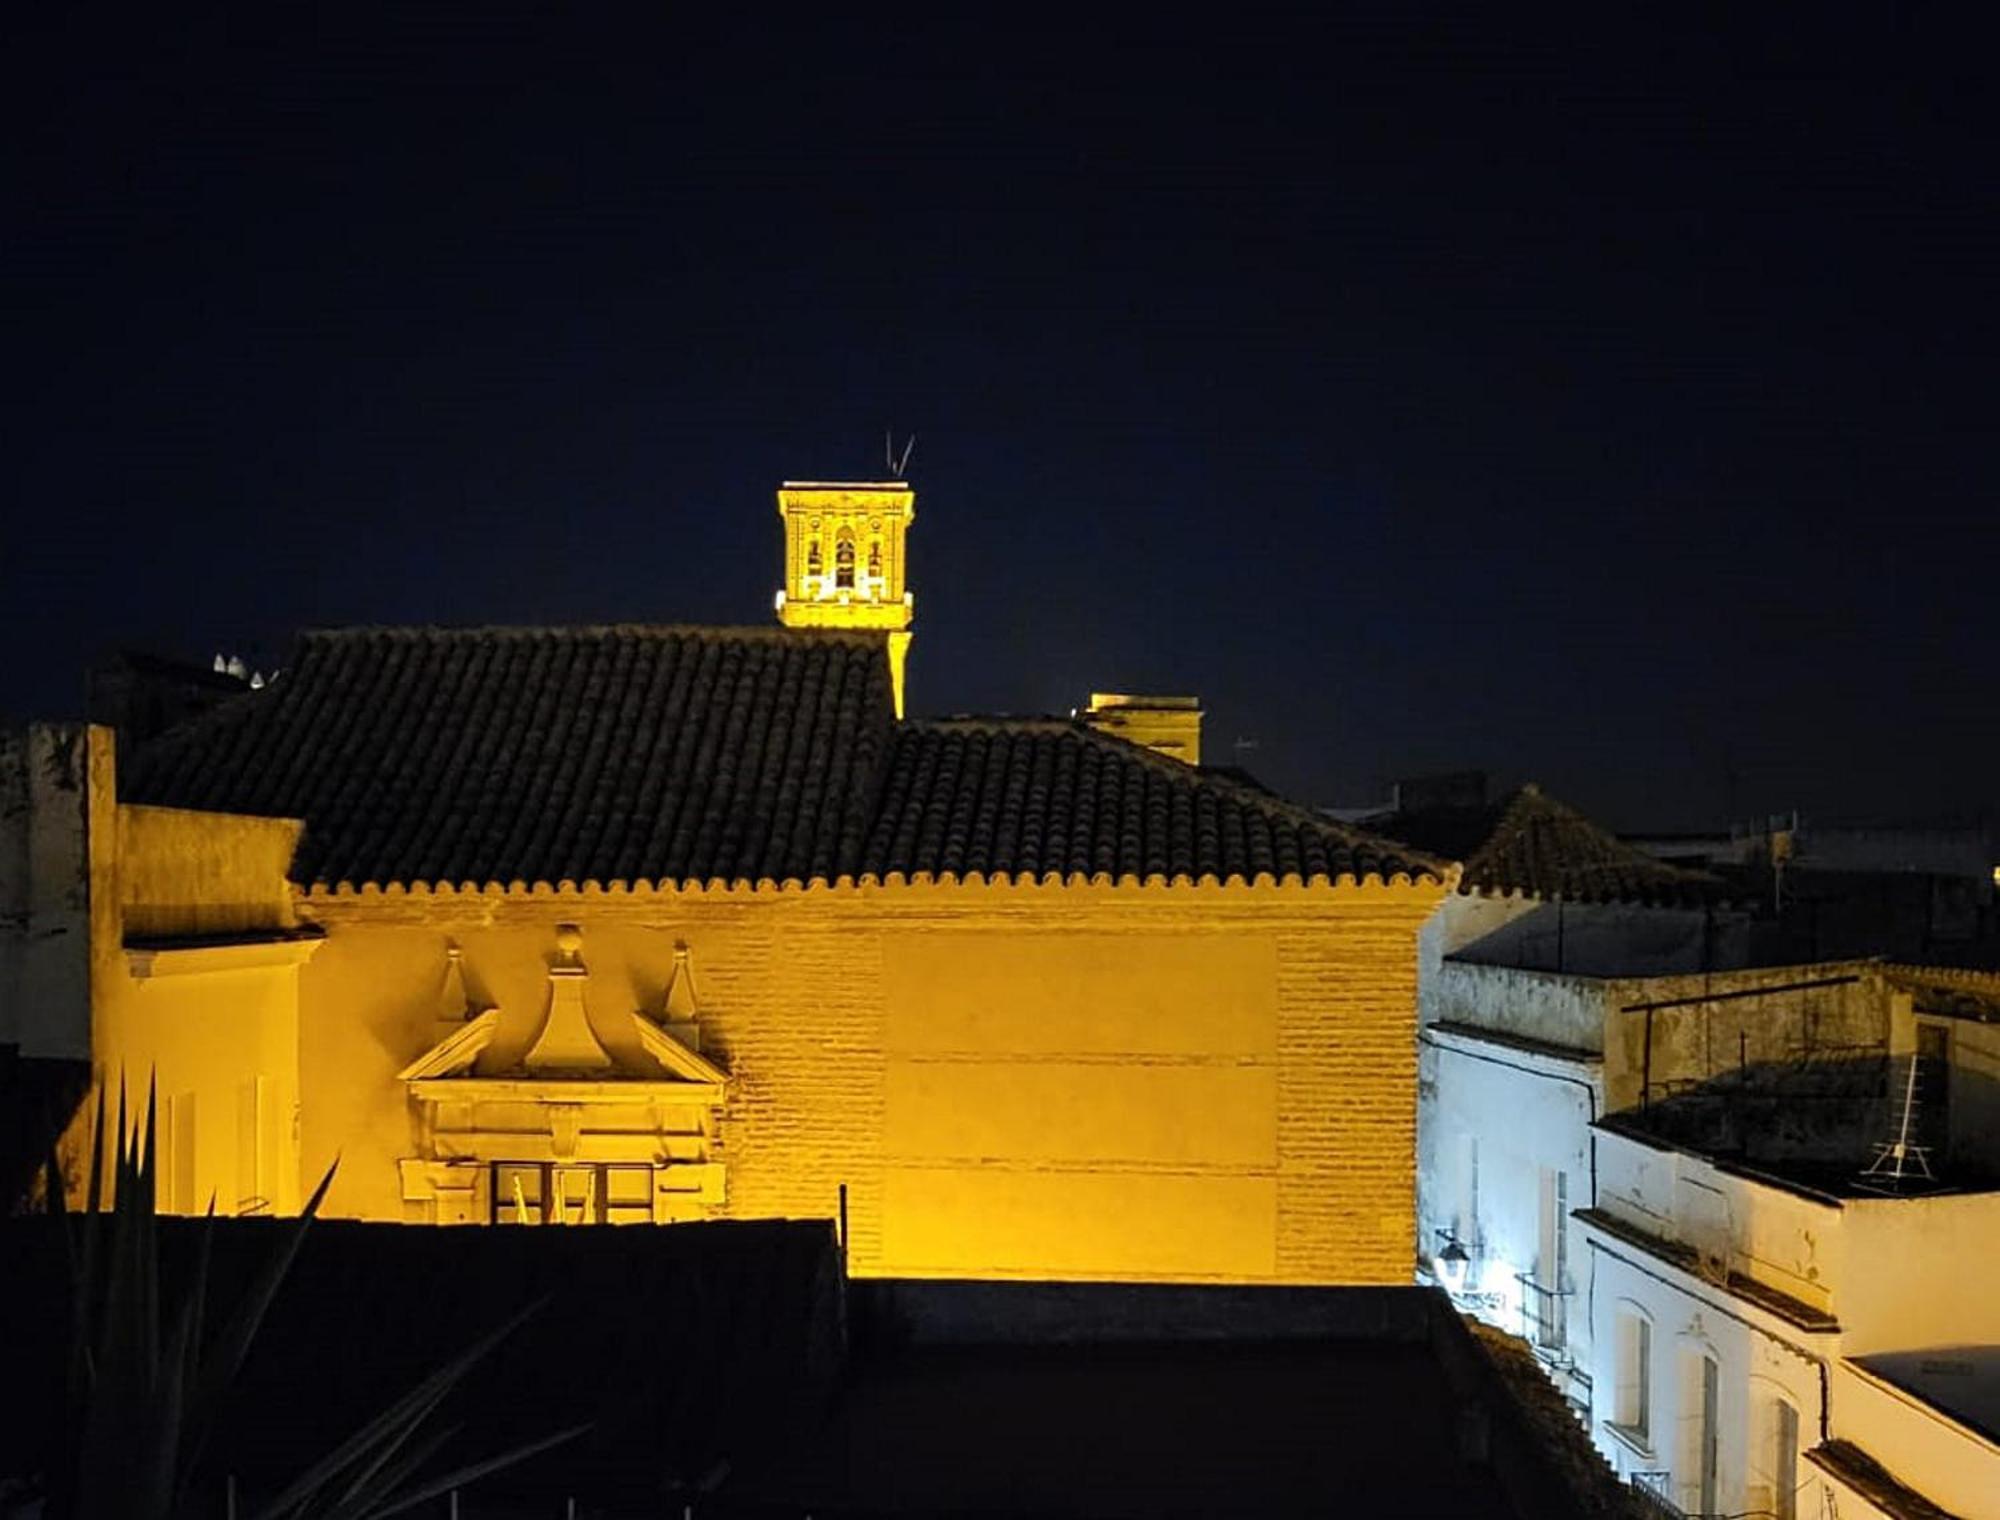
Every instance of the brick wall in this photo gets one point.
(1174, 1083)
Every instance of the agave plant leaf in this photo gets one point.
(460, 1477)
(119, 1430)
(145, 1383)
(392, 1467)
(79, 1240)
(392, 1426)
(225, 1357)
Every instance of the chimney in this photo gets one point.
(1169, 726)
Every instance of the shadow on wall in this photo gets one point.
(38, 1099)
(1822, 1115)
(1615, 939)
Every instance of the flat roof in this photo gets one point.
(1962, 1381)
(1834, 1180)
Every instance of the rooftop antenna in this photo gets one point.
(898, 465)
(1900, 1160)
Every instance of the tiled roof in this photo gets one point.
(1875, 1482)
(1529, 843)
(677, 754)
(1033, 796)
(522, 754)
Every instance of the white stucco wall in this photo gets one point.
(1758, 1365)
(1954, 1466)
(1568, 1011)
(1496, 1125)
(1918, 1272)
(1895, 1273)
(1789, 1243)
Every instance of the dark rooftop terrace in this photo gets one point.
(1070, 1400)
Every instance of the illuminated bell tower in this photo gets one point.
(844, 561)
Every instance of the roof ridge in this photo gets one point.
(1276, 806)
(761, 632)
(1528, 796)
(1269, 804)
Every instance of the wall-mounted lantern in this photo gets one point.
(1451, 1265)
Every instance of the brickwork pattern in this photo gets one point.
(793, 1005)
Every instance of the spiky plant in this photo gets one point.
(146, 1381)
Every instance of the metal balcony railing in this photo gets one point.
(1654, 1490)
(1543, 1315)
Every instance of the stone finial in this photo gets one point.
(567, 1042)
(681, 1006)
(569, 945)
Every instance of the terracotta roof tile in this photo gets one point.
(1032, 796)
(522, 754)
(675, 754)
(1530, 843)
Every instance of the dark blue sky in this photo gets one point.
(1610, 408)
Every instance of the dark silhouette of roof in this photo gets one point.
(1949, 992)
(1026, 796)
(1529, 843)
(689, 754)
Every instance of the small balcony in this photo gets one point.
(1654, 1490)
(1544, 1318)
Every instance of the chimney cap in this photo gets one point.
(1104, 701)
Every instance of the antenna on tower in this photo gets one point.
(898, 465)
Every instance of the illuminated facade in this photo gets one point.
(1772, 1341)
(844, 562)
(662, 923)
(1646, 1163)
(1168, 726)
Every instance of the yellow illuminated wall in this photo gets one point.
(195, 955)
(1173, 1083)
(1081, 1080)
(1169, 726)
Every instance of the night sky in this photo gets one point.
(1609, 408)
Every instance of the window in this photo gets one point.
(843, 563)
(517, 1193)
(1697, 1430)
(1774, 1452)
(1465, 1189)
(1707, 1433)
(1784, 1461)
(251, 1103)
(815, 562)
(1632, 1411)
(536, 1192)
(1551, 1264)
(178, 1195)
(572, 1195)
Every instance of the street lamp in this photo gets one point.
(1450, 1264)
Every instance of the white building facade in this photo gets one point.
(1751, 1338)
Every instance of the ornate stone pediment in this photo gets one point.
(571, 1132)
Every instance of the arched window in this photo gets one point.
(843, 563)
(875, 558)
(1632, 1364)
(814, 564)
(1774, 1451)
